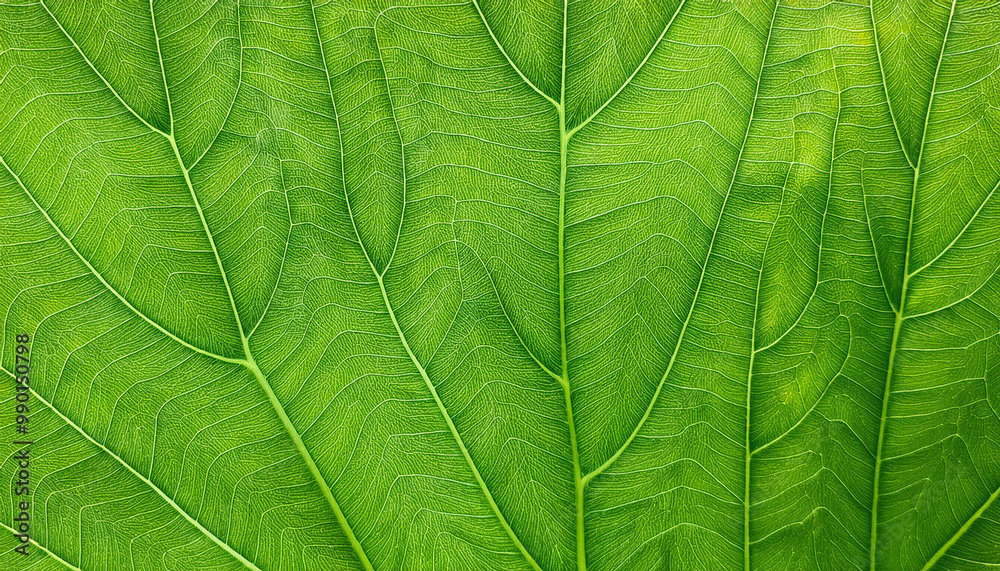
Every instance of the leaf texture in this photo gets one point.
(512, 285)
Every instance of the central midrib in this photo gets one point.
(564, 137)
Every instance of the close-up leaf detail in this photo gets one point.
(511, 285)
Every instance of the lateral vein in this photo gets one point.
(753, 335)
(900, 313)
(190, 519)
(510, 322)
(961, 531)
(395, 124)
(99, 74)
(635, 72)
(694, 301)
(423, 373)
(67, 564)
(103, 281)
(508, 58)
(249, 361)
(452, 428)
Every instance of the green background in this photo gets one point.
(509, 284)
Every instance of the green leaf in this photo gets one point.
(502, 284)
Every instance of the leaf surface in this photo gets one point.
(503, 285)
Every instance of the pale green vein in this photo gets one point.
(564, 136)
(144, 480)
(822, 231)
(67, 564)
(815, 404)
(635, 72)
(281, 170)
(413, 358)
(510, 61)
(701, 278)
(746, 424)
(895, 126)
(437, 398)
(871, 237)
(885, 88)
(284, 253)
(395, 124)
(308, 459)
(898, 323)
(881, 429)
(453, 429)
(249, 361)
(753, 354)
(433, 390)
(510, 322)
(753, 335)
(236, 93)
(961, 233)
(103, 281)
(99, 75)
(961, 531)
